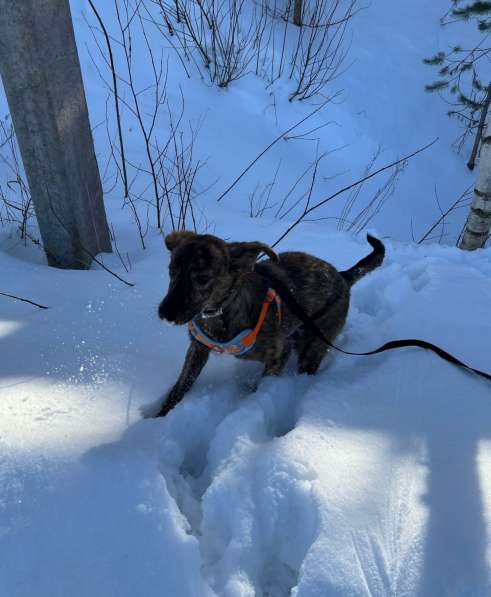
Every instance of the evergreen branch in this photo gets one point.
(472, 10)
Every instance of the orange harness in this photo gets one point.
(244, 341)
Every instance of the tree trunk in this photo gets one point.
(297, 12)
(43, 83)
(479, 220)
(484, 113)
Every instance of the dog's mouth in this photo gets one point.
(176, 319)
(182, 320)
(208, 312)
(179, 314)
(179, 320)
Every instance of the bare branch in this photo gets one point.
(116, 96)
(349, 187)
(24, 300)
(282, 136)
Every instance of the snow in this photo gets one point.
(370, 478)
(382, 105)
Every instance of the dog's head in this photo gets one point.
(202, 270)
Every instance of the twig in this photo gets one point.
(116, 96)
(89, 253)
(18, 298)
(283, 134)
(117, 248)
(444, 214)
(349, 187)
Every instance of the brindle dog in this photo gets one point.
(221, 286)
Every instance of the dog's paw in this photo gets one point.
(249, 386)
(161, 407)
(166, 408)
(148, 411)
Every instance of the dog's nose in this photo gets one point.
(164, 311)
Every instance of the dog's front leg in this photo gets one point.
(276, 356)
(196, 358)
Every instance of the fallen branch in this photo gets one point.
(18, 298)
(89, 253)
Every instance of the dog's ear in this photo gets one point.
(173, 239)
(243, 256)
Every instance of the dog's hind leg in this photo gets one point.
(311, 349)
(277, 357)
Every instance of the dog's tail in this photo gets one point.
(367, 264)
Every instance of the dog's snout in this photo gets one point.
(165, 310)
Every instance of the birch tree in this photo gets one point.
(463, 73)
(478, 223)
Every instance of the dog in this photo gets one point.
(231, 303)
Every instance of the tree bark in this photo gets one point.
(484, 113)
(479, 220)
(43, 83)
(297, 12)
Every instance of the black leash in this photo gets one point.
(298, 310)
(443, 354)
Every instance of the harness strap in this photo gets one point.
(244, 341)
(271, 296)
(299, 311)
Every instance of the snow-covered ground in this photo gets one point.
(382, 107)
(372, 478)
